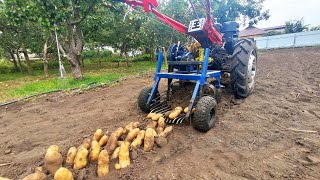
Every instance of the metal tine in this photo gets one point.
(180, 120)
(173, 120)
(159, 107)
(163, 110)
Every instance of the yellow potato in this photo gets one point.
(112, 142)
(71, 155)
(152, 124)
(138, 141)
(53, 159)
(150, 115)
(187, 109)
(149, 140)
(63, 174)
(161, 125)
(130, 126)
(166, 131)
(103, 141)
(80, 161)
(132, 134)
(95, 151)
(124, 157)
(86, 143)
(37, 175)
(97, 135)
(115, 153)
(117, 166)
(103, 164)
(156, 117)
(175, 113)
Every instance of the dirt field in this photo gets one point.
(273, 134)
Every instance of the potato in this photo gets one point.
(95, 150)
(130, 126)
(112, 142)
(63, 174)
(187, 109)
(97, 135)
(103, 141)
(166, 131)
(37, 175)
(175, 113)
(71, 155)
(124, 157)
(115, 153)
(103, 163)
(138, 141)
(152, 124)
(149, 140)
(150, 115)
(132, 134)
(80, 161)
(156, 117)
(86, 143)
(53, 159)
(161, 125)
(117, 166)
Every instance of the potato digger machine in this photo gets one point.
(220, 54)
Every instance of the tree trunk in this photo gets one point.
(75, 66)
(14, 61)
(45, 59)
(26, 57)
(19, 60)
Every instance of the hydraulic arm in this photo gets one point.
(201, 29)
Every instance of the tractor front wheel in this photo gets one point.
(205, 115)
(143, 99)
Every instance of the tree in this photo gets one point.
(65, 15)
(315, 28)
(295, 26)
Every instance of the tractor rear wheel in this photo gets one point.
(243, 68)
(205, 115)
(143, 99)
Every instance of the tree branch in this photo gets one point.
(80, 19)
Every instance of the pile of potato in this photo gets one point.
(102, 149)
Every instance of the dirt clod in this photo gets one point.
(161, 141)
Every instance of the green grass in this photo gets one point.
(16, 85)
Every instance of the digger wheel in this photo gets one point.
(243, 68)
(143, 98)
(205, 114)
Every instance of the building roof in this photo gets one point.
(274, 28)
(251, 31)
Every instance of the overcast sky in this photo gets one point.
(284, 10)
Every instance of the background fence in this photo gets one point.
(311, 38)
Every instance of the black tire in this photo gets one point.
(205, 116)
(143, 98)
(242, 82)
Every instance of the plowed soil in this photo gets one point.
(273, 134)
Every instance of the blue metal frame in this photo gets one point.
(200, 78)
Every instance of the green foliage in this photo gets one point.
(92, 54)
(295, 26)
(143, 57)
(315, 28)
(273, 33)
